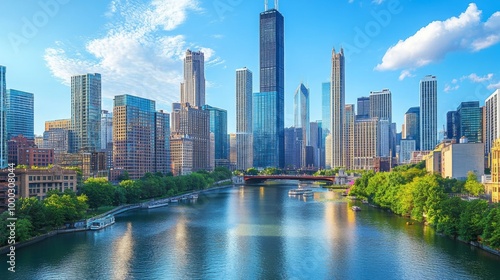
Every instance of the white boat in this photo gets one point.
(299, 191)
(356, 208)
(308, 193)
(156, 204)
(173, 200)
(102, 222)
(193, 196)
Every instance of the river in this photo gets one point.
(255, 232)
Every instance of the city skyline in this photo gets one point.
(464, 75)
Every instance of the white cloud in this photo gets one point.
(139, 55)
(378, 2)
(477, 79)
(404, 74)
(494, 86)
(449, 88)
(454, 81)
(432, 42)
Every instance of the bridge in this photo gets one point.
(262, 178)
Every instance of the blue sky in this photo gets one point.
(138, 48)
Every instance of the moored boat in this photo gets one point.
(156, 204)
(102, 222)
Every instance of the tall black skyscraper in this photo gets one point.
(268, 104)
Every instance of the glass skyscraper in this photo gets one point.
(268, 104)
(363, 112)
(218, 126)
(86, 112)
(301, 112)
(469, 120)
(412, 126)
(428, 113)
(244, 146)
(20, 114)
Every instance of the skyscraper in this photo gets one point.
(337, 101)
(363, 112)
(381, 108)
(301, 118)
(268, 104)
(412, 126)
(193, 87)
(20, 113)
(86, 112)
(492, 119)
(244, 142)
(469, 117)
(452, 129)
(350, 117)
(325, 120)
(3, 117)
(428, 113)
(218, 126)
(140, 136)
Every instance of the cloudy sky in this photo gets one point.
(138, 47)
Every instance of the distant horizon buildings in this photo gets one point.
(269, 104)
(86, 112)
(428, 113)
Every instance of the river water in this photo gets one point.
(255, 232)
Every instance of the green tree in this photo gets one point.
(448, 219)
(132, 190)
(471, 220)
(33, 209)
(472, 186)
(120, 196)
(24, 229)
(99, 192)
(491, 232)
(252, 171)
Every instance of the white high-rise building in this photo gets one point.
(301, 118)
(193, 87)
(337, 102)
(244, 145)
(492, 119)
(428, 113)
(106, 129)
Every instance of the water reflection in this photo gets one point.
(123, 249)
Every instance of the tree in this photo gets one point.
(252, 171)
(472, 186)
(33, 209)
(448, 219)
(132, 190)
(471, 220)
(24, 229)
(491, 232)
(99, 192)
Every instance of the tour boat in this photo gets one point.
(300, 191)
(308, 193)
(102, 222)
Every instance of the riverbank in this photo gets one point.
(118, 210)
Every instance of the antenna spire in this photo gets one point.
(265, 5)
(276, 4)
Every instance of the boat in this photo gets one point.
(193, 196)
(308, 193)
(356, 208)
(156, 204)
(364, 201)
(298, 191)
(173, 200)
(102, 222)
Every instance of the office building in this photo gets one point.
(337, 106)
(218, 126)
(492, 119)
(294, 154)
(301, 118)
(469, 121)
(412, 126)
(58, 139)
(182, 154)
(193, 87)
(363, 112)
(17, 143)
(86, 112)
(452, 124)
(350, 117)
(406, 148)
(162, 157)
(20, 113)
(381, 108)
(325, 107)
(268, 104)
(64, 124)
(366, 136)
(428, 113)
(315, 144)
(244, 138)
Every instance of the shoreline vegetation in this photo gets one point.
(68, 211)
(410, 191)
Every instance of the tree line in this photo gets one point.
(412, 192)
(35, 217)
